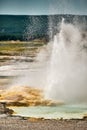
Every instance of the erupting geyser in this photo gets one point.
(61, 67)
(67, 71)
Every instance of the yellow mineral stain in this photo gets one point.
(25, 96)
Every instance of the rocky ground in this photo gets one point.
(20, 123)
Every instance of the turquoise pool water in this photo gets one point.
(64, 111)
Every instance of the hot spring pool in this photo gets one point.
(64, 111)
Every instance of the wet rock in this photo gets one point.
(4, 109)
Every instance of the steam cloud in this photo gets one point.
(67, 76)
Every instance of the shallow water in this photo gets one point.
(63, 111)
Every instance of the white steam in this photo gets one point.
(67, 75)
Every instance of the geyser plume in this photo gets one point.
(67, 71)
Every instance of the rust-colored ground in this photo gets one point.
(25, 96)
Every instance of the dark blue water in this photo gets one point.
(22, 27)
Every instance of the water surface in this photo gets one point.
(63, 111)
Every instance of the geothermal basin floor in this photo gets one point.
(20, 123)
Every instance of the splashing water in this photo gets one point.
(67, 73)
